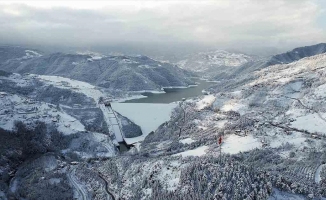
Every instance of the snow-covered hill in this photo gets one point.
(272, 125)
(127, 73)
(277, 117)
(72, 107)
(297, 54)
(214, 61)
(219, 65)
(16, 53)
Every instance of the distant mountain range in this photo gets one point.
(129, 73)
(206, 62)
(297, 54)
(219, 65)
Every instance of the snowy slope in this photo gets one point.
(92, 92)
(17, 54)
(298, 53)
(204, 61)
(279, 105)
(210, 64)
(126, 73)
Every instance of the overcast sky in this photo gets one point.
(167, 25)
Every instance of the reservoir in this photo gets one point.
(173, 94)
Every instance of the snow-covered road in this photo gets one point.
(81, 191)
(317, 174)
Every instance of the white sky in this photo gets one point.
(220, 23)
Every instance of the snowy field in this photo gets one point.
(200, 151)
(67, 83)
(234, 144)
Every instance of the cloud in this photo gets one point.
(219, 23)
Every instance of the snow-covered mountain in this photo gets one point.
(212, 61)
(219, 65)
(277, 117)
(11, 53)
(272, 125)
(298, 53)
(128, 73)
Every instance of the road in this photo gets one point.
(82, 192)
(106, 186)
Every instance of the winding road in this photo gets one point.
(110, 194)
(72, 178)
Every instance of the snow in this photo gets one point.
(110, 119)
(205, 102)
(234, 144)
(317, 175)
(148, 116)
(232, 105)
(312, 122)
(81, 87)
(13, 185)
(33, 52)
(200, 151)
(221, 123)
(281, 195)
(321, 90)
(148, 193)
(187, 141)
(205, 60)
(121, 100)
(90, 91)
(22, 110)
(54, 181)
(170, 175)
(75, 125)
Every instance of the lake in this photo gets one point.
(173, 94)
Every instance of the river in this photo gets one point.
(173, 94)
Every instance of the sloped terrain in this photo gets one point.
(271, 125)
(297, 54)
(56, 115)
(213, 63)
(16, 53)
(222, 65)
(209, 61)
(127, 73)
(266, 153)
(276, 118)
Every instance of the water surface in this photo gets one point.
(173, 94)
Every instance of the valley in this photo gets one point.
(163, 100)
(110, 144)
